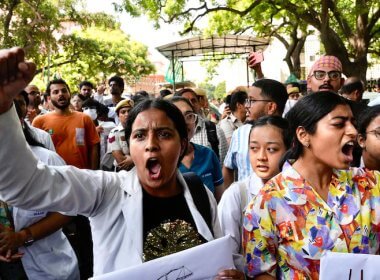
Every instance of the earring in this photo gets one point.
(307, 145)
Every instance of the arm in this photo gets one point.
(94, 156)
(219, 190)
(228, 175)
(123, 161)
(10, 240)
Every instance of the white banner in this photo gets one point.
(345, 266)
(200, 262)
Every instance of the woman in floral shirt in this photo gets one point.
(317, 204)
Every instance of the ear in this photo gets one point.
(271, 108)
(361, 141)
(303, 136)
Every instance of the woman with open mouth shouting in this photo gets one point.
(135, 216)
(319, 203)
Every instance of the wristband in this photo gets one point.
(29, 237)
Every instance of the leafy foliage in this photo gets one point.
(348, 29)
(65, 40)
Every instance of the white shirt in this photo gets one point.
(232, 206)
(43, 137)
(51, 257)
(113, 201)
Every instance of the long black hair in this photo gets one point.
(306, 113)
(170, 110)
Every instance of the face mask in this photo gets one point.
(91, 112)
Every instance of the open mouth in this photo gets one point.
(154, 167)
(348, 149)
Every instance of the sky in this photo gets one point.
(142, 30)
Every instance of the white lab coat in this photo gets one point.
(113, 201)
(51, 257)
(231, 210)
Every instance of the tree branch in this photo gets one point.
(342, 22)
(56, 65)
(374, 20)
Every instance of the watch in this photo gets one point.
(29, 237)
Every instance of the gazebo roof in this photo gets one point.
(220, 45)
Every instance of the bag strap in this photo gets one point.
(200, 197)
(212, 136)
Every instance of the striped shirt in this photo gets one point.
(237, 157)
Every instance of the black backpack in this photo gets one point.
(200, 197)
(212, 137)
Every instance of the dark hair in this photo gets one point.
(137, 98)
(237, 97)
(56, 82)
(351, 87)
(165, 92)
(142, 93)
(79, 95)
(176, 99)
(86, 83)
(100, 108)
(227, 100)
(278, 122)
(182, 91)
(118, 80)
(170, 110)
(306, 113)
(29, 136)
(273, 90)
(25, 95)
(366, 117)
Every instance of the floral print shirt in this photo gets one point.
(288, 226)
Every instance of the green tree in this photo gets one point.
(96, 49)
(348, 29)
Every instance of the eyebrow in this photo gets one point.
(270, 142)
(155, 129)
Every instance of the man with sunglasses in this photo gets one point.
(325, 75)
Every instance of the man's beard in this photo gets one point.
(61, 107)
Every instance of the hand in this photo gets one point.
(230, 274)
(256, 66)
(99, 129)
(126, 164)
(226, 112)
(9, 257)
(9, 240)
(15, 75)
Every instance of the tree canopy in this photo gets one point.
(348, 29)
(63, 39)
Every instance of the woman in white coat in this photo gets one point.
(36, 237)
(123, 207)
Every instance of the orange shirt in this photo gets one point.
(73, 136)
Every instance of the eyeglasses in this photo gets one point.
(376, 132)
(333, 75)
(190, 118)
(250, 102)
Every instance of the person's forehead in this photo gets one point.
(58, 86)
(254, 92)
(326, 68)
(29, 89)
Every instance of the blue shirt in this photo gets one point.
(237, 157)
(206, 165)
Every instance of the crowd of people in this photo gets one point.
(92, 183)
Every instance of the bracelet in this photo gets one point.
(29, 237)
